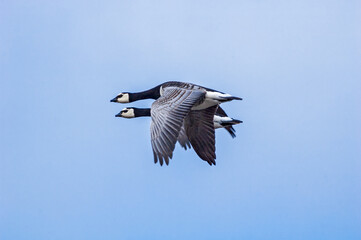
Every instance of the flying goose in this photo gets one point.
(183, 104)
(220, 119)
(210, 97)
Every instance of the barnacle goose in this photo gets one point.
(209, 98)
(220, 119)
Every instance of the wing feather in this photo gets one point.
(200, 131)
(168, 113)
(183, 139)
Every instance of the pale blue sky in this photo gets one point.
(70, 170)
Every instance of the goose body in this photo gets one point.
(219, 121)
(210, 97)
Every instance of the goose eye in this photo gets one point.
(125, 111)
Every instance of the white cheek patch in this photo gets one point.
(124, 98)
(129, 113)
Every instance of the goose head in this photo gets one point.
(121, 98)
(126, 113)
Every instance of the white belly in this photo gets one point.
(217, 125)
(206, 104)
(211, 99)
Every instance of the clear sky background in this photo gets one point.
(70, 170)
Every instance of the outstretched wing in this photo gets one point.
(183, 139)
(200, 131)
(168, 114)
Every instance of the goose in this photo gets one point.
(209, 98)
(220, 119)
(182, 104)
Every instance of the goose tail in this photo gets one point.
(230, 98)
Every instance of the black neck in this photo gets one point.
(142, 112)
(153, 93)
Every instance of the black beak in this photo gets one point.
(119, 114)
(114, 99)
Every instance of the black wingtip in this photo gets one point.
(231, 131)
(155, 158)
(211, 161)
